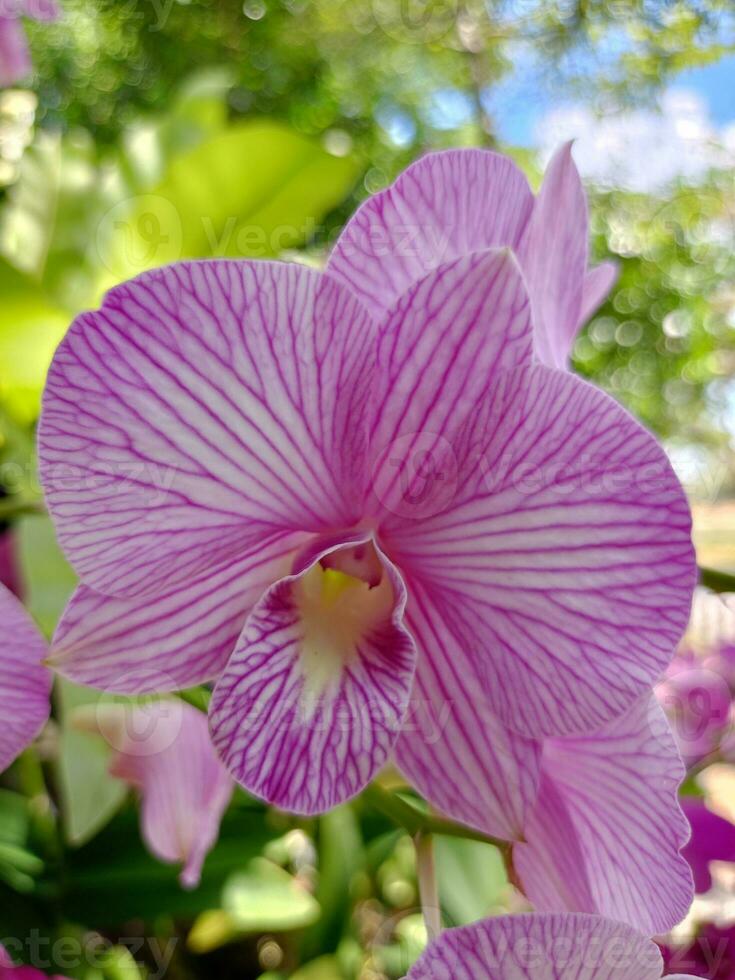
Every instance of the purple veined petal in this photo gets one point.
(564, 566)
(606, 833)
(167, 642)
(712, 839)
(540, 947)
(442, 207)
(553, 255)
(15, 59)
(25, 684)
(597, 285)
(453, 749)
(163, 749)
(459, 325)
(202, 408)
(311, 703)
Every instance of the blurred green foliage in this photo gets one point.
(160, 129)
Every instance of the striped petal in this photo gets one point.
(607, 829)
(563, 569)
(163, 749)
(170, 641)
(203, 407)
(540, 947)
(313, 698)
(553, 255)
(453, 749)
(453, 329)
(444, 206)
(25, 685)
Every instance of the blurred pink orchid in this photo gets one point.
(259, 483)
(10, 575)
(698, 689)
(712, 839)
(163, 748)
(541, 947)
(15, 59)
(9, 971)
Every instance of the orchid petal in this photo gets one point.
(10, 574)
(442, 207)
(164, 750)
(597, 284)
(540, 947)
(453, 749)
(25, 684)
(9, 971)
(553, 255)
(607, 830)
(461, 323)
(203, 407)
(174, 640)
(564, 567)
(713, 839)
(313, 698)
(15, 59)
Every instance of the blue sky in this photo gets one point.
(519, 104)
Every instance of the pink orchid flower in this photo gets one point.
(9, 971)
(15, 59)
(162, 749)
(260, 483)
(713, 839)
(698, 689)
(449, 204)
(10, 574)
(594, 819)
(541, 947)
(25, 684)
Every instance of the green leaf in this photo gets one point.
(113, 879)
(48, 577)
(323, 968)
(255, 189)
(90, 797)
(31, 326)
(54, 208)
(264, 897)
(471, 878)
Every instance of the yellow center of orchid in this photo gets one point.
(339, 609)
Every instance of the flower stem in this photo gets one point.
(716, 580)
(415, 822)
(428, 888)
(11, 508)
